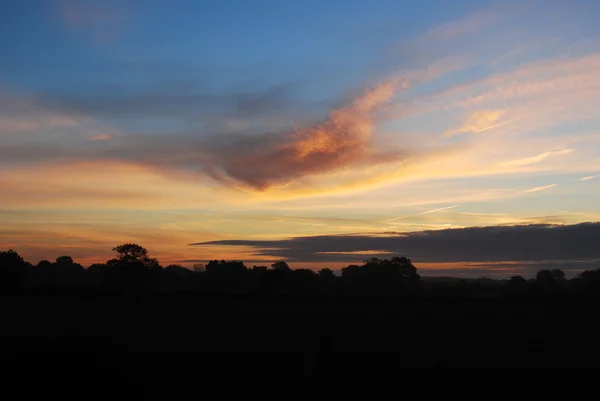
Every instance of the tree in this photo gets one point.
(398, 268)
(64, 260)
(590, 276)
(12, 270)
(281, 266)
(517, 286)
(326, 273)
(588, 283)
(550, 282)
(517, 281)
(43, 264)
(199, 268)
(133, 270)
(544, 276)
(351, 271)
(228, 268)
(134, 253)
(558, 274)
(177, 270)
(64, 272)
(66, 265)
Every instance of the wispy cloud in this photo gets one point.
(589, 177)
(542, 188)
(425, 212)
(17, 125)
(479, 121)
(537, 158)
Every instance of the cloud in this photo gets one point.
(425, 212)
(524, 243)
(100, 137)
(537, 158)
(266, 143)
(468, 25)
(589, 177)
(542, 188)
(342, 140)
(479, 121)
(189, 101)
(15, 125)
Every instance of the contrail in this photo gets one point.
(426, 212)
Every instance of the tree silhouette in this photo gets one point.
(281, 266)
(517, 282)
(133, 270)
(12, 271)
(382, 277)
(134, 253)
(351, 271)
(588, 283)
(550, 283)
(226, 268)
(544, 276)
(558, 274)
(326, 274)
(63, 273)
(199, 268)
(517, 286)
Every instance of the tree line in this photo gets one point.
(134, 272)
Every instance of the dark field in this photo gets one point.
(233, 346)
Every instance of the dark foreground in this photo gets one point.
(308, 348)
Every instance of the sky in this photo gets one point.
(318, 132)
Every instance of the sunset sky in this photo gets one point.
(312, 131)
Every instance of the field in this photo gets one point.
(234, 347)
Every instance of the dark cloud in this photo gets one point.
(181, 100)
(539, 243)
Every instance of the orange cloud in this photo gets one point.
(100, 137)
(342, 140)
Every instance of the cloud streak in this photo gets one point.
(542, 188)
(537, 158)
(425, 212)
(536, 242)
(479, 121)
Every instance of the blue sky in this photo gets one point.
(170, 123)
